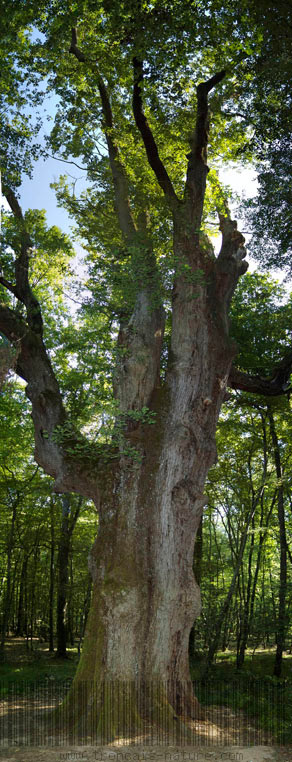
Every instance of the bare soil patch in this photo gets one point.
(28, 733)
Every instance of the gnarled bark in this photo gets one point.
(145, 597)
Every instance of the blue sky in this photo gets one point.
(35, 192)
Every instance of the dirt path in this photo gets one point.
(147, 754)
(27, 735)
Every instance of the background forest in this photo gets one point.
(242, 554)
(243, 548)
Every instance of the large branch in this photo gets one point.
(278, 384)
(150, 145)
(199, 142)
(120, 180)
(21, 289)
(229, 266)
(34, 366)
(67, 459)
(9, 286)
(230, 261)
(135, 378)
(226, 271)
(197, 170)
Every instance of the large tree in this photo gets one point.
(138, 77)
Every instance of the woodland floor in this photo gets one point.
(27, 733)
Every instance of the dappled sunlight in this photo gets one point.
(30, 720)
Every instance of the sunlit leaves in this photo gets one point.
(49, 256)
(20, 93)
(261, 323)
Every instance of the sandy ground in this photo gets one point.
(28, 735)
(147, 754)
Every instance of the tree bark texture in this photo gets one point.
(145, 597)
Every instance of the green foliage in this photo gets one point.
(30, 524)
(24, 670)
(20, 93)
(269, 213)
(49, 269)
(268, 109)
(112, 437)
(243, 490)
(261, 322)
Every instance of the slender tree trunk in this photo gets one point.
(281, 620)
(52, 581)
(26, 597)
(246, 608)
(7, 596)
(273, 628)
(20, 628)
(63, 571)
(197, 569)
(70, 619)
(226, 631)
(252, 593)
(32, 595)
(14, 596)
(68, 522)
(225, 608)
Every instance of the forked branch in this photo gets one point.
(230, 264)
(120, 180)
(34, 366)
(149, 142)
(232, 247)
(199, 142)
(21, 289)
(197, 170)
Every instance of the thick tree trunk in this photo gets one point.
(145, 597)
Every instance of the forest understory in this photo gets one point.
(239, 718)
